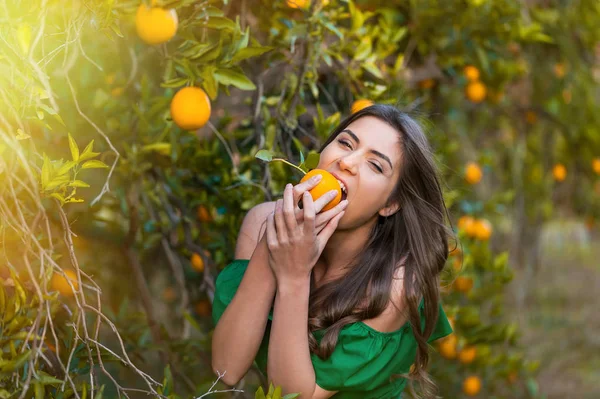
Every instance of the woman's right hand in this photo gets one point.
(322, 217)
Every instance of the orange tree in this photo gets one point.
(129, 130)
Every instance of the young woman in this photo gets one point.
(342, 303)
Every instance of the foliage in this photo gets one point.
(279, 79)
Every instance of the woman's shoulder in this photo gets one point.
(252, 229)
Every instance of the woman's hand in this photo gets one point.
(294, 248)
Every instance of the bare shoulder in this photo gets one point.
(393, 317)
(252, 229)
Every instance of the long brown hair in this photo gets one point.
(415, 237)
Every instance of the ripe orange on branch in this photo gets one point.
(473, 173)
(476, 92)
(559, 172)
(190, 108)
(59, 283)
(471, 73)
(155, 25)
(472, 385)
(327, 183)
(360, 104)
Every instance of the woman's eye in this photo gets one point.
(378, 167)
(345, 143)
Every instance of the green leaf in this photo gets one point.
(264, 155)
(17, 363)
(312, 160)
(73, 147)
(162, 148)
(174, 83)
(78, 183)
(66, 167)
(46, 169)
(39, 390)
(47, 379)
(249, 52)
(220, 23)
(291, 396)
(100, 393)
(270, 393)
(372, 68)
(276, 393)
(230, 77)
(94, 164)
(334, 29)
(364, 49)
(57, 182)
(260, 394)
(88, 153)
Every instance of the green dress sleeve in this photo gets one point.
(364, 359)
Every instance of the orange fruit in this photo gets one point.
(472, 385)
(471, 73)
(190, 108)
(473, 173)
(454, 250)
(155, 25)
(482, 229)
(297, 3)
(559, 70)
(59, 283)
(360, 104)
(197, 262)
(203, 308)
(447, 346)
(531, 117)
(327, 183)
(427, 84)
(203, 214)
(463, 284)
(468, 224)
(476, 92)
(596, 165)
(467, 355)
(559, 172)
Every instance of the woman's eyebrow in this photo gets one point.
(379, 154)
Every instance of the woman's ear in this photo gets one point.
(389, 210)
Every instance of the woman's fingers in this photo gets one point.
(309, 214)
(288, 209)
(307, 185)
(280, 225)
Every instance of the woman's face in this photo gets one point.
(366, 158)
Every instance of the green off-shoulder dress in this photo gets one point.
(363, 359)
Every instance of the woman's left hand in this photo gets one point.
(295, 248)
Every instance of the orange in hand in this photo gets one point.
(327, 183)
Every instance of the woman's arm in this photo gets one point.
(241, 328)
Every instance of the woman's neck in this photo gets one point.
(341, 249)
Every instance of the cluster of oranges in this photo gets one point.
(448, 348)
(475, 90)
(480, 229)
(559, 170)
(190, 107)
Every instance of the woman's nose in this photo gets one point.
(348, 163)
